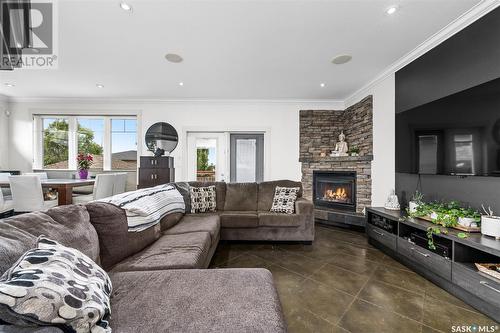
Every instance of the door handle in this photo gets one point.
(421, 253)
(378, 232)
(487, 285)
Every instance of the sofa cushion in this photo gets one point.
(169, 252)
(53, 283)
(72, 228)
(214, 300)
(267, 189)
(269, 219)
(183, 188)
(168, 221)
(220, 190)
(284, 200)
(239, 219)
(116, 242)
(203, 199)
(241, 196)
(195, 223)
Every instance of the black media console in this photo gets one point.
(451, 265)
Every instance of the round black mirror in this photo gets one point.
(161, 138)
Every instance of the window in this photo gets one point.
(124, 144)
(55, 143)
(112, 141)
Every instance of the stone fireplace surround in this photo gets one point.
(319, 130)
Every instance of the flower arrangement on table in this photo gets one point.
(84, 162)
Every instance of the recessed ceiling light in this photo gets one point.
(10, 85)
(125, 6)
(391, 10)
(181, 83)
(322, 85)
(172, 57)
(100, 86)
(341, 59)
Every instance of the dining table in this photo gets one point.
(64, 187)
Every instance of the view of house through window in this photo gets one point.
(123, 144)
(64, 137)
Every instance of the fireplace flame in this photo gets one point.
(339, 194)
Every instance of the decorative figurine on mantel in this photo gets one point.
(341, 147)
(392, 202)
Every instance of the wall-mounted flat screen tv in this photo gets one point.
(455, 135)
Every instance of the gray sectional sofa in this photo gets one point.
(159, 284)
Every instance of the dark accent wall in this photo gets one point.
(469, 58)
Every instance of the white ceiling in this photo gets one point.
(232, 49)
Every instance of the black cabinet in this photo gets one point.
(451, 265)
(155, 171)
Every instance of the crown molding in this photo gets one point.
(464, 20)
(134, 101)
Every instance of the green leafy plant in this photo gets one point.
(431, 231)
(417, 197)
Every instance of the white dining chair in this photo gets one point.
(120, 183)
(103, 188)
(27, 194)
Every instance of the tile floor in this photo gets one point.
(341, 283)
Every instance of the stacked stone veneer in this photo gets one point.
(319, 131)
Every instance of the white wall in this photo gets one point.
(384, 116)
(280, 119)
(4, 134)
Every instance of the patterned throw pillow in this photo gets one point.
(54, 285)
(203, 199)
(284, 199)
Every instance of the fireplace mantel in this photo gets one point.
(330, 159)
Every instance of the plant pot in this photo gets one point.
(413, 205)
(490, 226)
(83, 173)
(467, 222)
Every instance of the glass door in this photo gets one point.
(207, 156)
(247, 157)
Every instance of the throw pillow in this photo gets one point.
(54, 285)
(203, 199)
(284, 199)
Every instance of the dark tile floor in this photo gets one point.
(343, 284)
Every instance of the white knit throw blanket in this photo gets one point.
(146, 207)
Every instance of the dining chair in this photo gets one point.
(120, 183)
(27, 194)
(103, 188)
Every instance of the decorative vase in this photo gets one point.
(83, 173)
(467, 222)
(413, 205)
(490, 226)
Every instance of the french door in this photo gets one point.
(225, 156)
(207, 156)
(247, 157)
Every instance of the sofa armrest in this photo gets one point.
(304, 207)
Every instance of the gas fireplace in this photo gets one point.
(335, 189)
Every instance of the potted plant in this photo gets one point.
(490, 224)
(84, 162)
(416, 200)
(354, 151)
